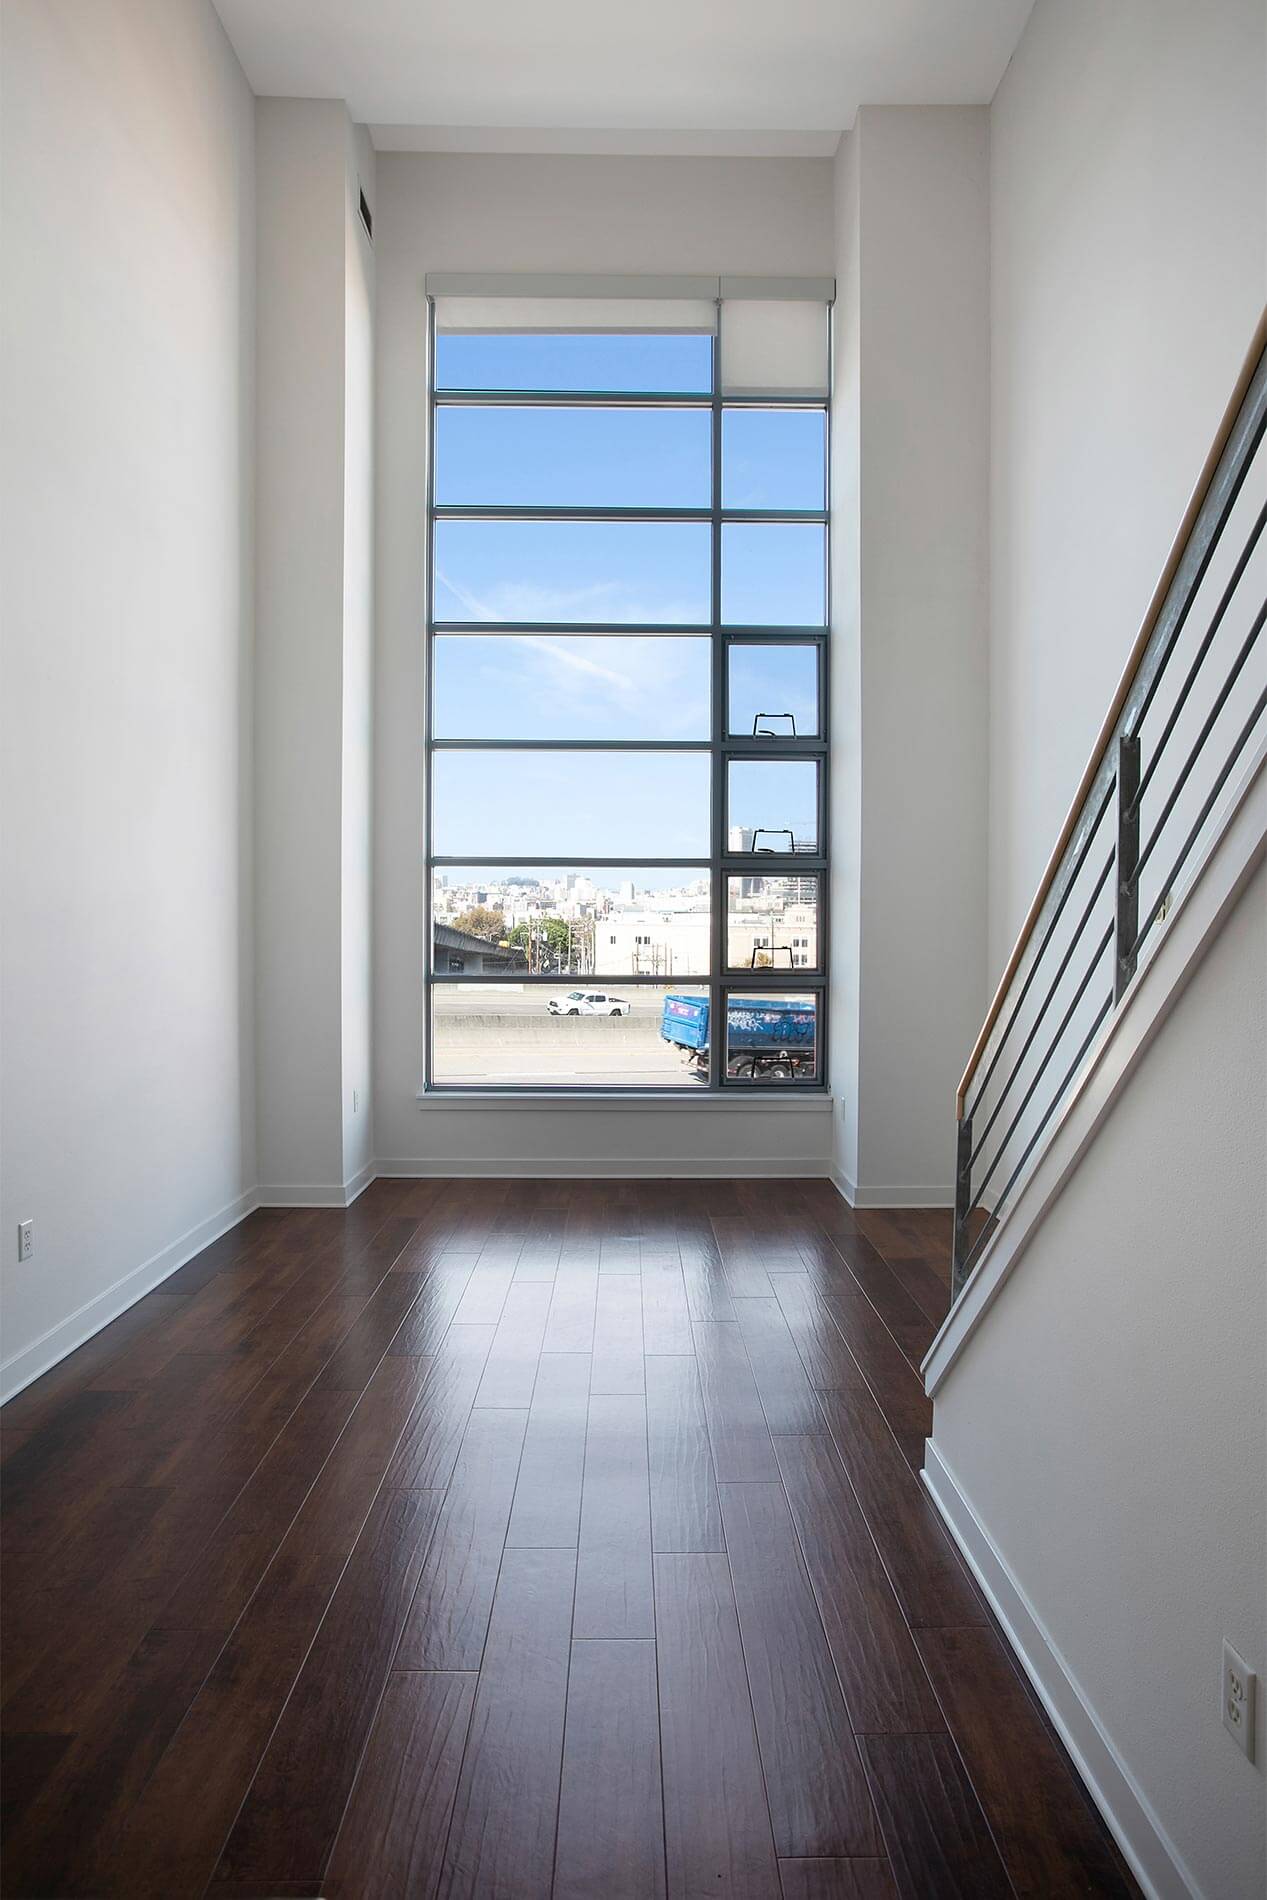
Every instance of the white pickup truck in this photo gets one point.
(587, 1003)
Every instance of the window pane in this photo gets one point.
(774, 348)
(669, 364)
(570, 686)
(574, 458)
(570, 804)
(773, 805)
(774, 458)
(772, 1038)
(773, 574)
(570, 921)
(772, 923)
(774, 691)
(511, 1037)
(640, 573)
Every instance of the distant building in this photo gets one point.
(458, 953)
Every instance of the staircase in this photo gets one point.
(1176, 748)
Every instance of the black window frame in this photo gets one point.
(723, 980)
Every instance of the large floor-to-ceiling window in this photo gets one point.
(627, 665)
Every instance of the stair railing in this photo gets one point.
(1189, 703)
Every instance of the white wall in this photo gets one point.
(1129, 266)
(513, 213)
(1107, 1421)
(126, 1117)
(910, 685)
(358, 658)
(314, 610)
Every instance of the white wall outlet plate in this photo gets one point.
(1239, 1686)
(26, 1239)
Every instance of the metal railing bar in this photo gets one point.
(1211, 631)
(1229, 453)
(1206, 808)
(1083, 853)
(1065, 961)
(1245, 462)
(1052, 1046)
(1030, 1145)
(1194, 754)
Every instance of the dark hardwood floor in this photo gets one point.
(508, 1538)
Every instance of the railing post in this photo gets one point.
(963, 1206)
(1127, 864)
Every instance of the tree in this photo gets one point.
(547, 941)
(480, 921)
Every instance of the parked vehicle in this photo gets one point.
(766, 1036)
(587, 1003)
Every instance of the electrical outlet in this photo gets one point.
(26, 1239)
(1239, 1684)
(356, 1101)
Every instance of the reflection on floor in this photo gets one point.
(517, 1538)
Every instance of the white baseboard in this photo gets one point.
(603, 1167)
(317, 1193)
(891, 1196)
(1153, 1857)
(53, 1346)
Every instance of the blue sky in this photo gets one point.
(568, 685)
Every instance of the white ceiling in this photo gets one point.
(724, 76)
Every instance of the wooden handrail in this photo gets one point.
(1127, 680)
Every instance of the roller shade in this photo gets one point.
(774, 330)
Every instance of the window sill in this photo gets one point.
(817, 1103)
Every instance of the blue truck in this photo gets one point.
(773, 1036)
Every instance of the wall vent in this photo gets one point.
(367, 217)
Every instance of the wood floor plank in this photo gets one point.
(837, 1880)
(717, 1825)
(617, 1362)
(429, 1447)
(938, 1843)
(439, 1294)
(485, 1292)
(611, 1816)
(894, 1383)
(391, 1842)
(204, 1690)
(510, 1371)
(570, 1326)
(666, 1316)
(928, 1579)
(787, 1397)
(1050, 1840)
(547, 1508)
(613, 1570)
(290, 1817)
(685, 1510)
(68, 1828)
(814, 1782)
(448, 1620)
(742, 1451)
(27, 1764)
(910, 1326)
(886, 1687)
(173, 1838)
(501, 1842)
(218, 1583)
